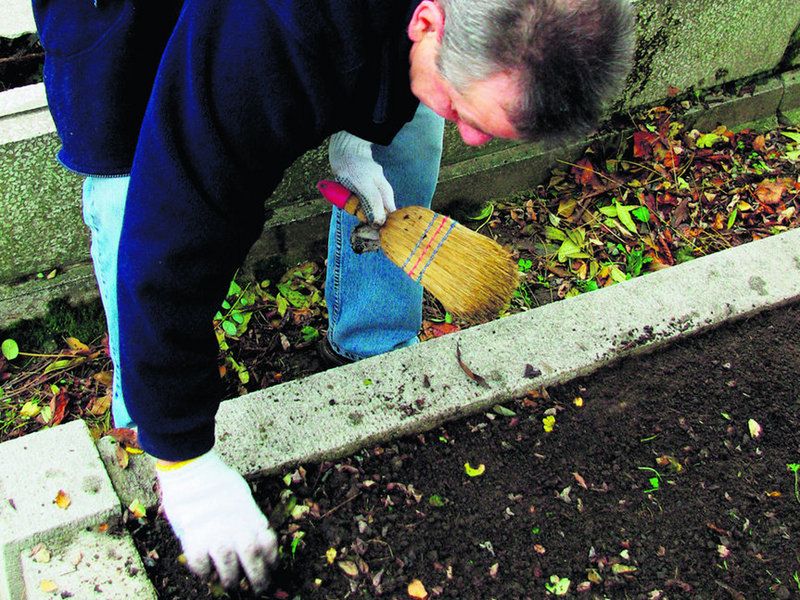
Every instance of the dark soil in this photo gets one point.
(21, 61)
(579, 503)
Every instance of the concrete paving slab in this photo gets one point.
(91, 565)
(35, 469)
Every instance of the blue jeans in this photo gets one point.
(373, 306)
(103, 207)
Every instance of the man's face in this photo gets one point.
(481, 111)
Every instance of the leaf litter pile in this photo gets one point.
(664, 195)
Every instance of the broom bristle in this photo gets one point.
(470, 274)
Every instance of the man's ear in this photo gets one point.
(427, 18)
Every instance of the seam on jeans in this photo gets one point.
(337, 260)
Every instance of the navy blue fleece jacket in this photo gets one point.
(206, 104)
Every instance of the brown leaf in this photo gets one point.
(760, 143)
(432, 330)
(58, 407)
(104, 378)
(124, 436)
(681, 213)
(122, 457)
(584, 174)
(474, 376)
(98, 406)
(581, 481)
(770, 192)
(643, 142)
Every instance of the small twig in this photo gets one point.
(338, 506)
(21, 58)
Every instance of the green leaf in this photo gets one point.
(436, 500)
(229, 327)
(707, 140)
(485, 213)
(296, 541)
(567, 249)
(238, 317)
(793, 155)
(503, 411)
(10, 349)
(226, 305)
(233, 289)
(642, 213)
(553, 233)
(309, 333)
(792, 136)
(618, 275)
(609, 211)
(732, 217)
(624, 215)
(474, 471)
(283, 304)
(558, 585)
(619, 569)
(64, 363)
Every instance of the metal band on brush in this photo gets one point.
(428, 253)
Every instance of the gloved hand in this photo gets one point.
(212, 511)
(353, 166)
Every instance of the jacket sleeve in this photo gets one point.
(235, 101)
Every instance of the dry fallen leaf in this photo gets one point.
(755, 429)
(40, 553)
(581, 481)
(48, 586)
(417, 591)
(99, 406)
(493, 570)
(770, 192)
(469, 372)
(330, 555)
(349, 567)
(62, 499)
(122, 457)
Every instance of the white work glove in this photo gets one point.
(212, 511)
(353, 166)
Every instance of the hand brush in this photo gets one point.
(470, 274)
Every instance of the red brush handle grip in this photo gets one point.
(338, 195)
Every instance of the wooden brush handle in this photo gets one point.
(338, 195)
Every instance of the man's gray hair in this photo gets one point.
(571, 56)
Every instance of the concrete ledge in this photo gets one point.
(413, 389)
(29, 299)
